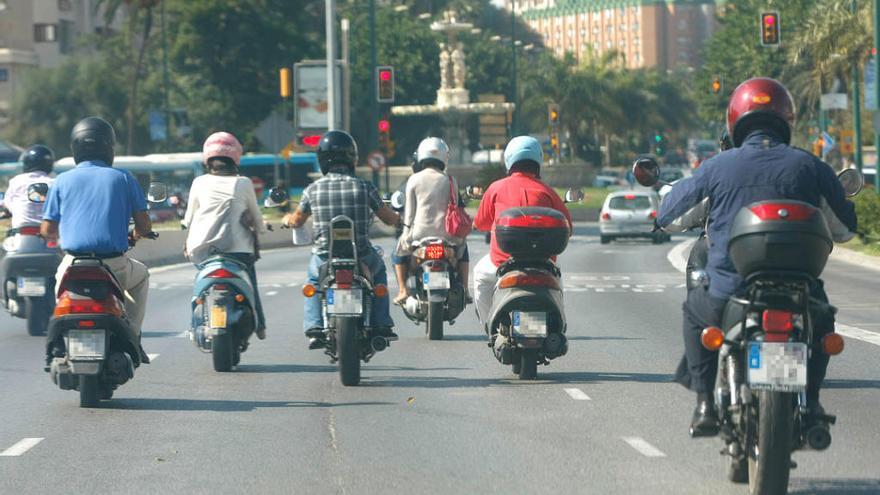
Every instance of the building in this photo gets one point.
(40, 33)
(666, 34)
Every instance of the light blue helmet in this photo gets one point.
(523, 148)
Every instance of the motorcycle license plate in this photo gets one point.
(31, 286)
(86, 344)
(529, 324)
(777, 366)
(435, 280)
(344, 302)
(218, 317)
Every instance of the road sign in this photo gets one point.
(376, 160)
(833, 101)
(275, 132)
(870, 86)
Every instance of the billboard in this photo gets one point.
(310, 91)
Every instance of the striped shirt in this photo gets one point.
(339, 194)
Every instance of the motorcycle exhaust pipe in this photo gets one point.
(502, 349)
(818, 437)
(379, 344)
(555, 345)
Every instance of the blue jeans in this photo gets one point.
(381, 313)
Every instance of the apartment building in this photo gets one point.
(666, 34)
(40, 33)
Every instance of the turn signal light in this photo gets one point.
(239, 298)
(309, 290)
(832, 344)
(68, 306)
(712, 338)
(380, 290)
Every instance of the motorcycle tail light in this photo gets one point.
(529, 280)
(783, 211)
(68, 305)
(221, 273)
(712, 338)
(85, 323)
(778, 321)
(435, 252)
(30, 230)
(344, 278)
(832, 344)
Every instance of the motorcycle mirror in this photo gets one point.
(397, 200)
(157, 192)
(278, 196)
(474, 192)
(574, 195)
(37, 192)
(647, 171)
(852, 181)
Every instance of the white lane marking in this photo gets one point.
(858, 333)
(577, 394)
(272, 293)
(643, 447)
(183, 335)
(21, 447)
(152, 357)
(677, 256)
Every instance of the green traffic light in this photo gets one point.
(658, 138)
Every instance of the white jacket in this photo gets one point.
(16, 201)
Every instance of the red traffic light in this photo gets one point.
(384, 125)
(769, 19)
(385, 84)
(770, 29)
(311, 141)
(385, 74)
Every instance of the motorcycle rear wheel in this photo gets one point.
(528, 364)
(88, 391)
(348, 351)
(770, 466)
(222, 352)
(37, 312)
(435, 321)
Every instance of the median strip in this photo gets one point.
(21, 447)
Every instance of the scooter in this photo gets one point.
(29, 271)
(436, 292)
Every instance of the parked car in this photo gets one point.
(630, 214)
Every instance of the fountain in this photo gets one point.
(453, 103)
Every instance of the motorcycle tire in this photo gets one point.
(348, 351)
(737, 470)
(770, 465)
(435, 321)
(37, 312)
(528, 364)
(223, 353)
(88, 391)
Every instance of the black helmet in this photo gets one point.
(337, 149)
(37, 157)
(724, 141)
(93, 138)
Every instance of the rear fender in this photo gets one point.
(122, 337)
(506, 300)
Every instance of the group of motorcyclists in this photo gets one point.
(88, 211)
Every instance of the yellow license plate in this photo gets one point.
(218, 317)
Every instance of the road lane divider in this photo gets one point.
(272, 293)
(577, 394)
(858, 333)
(152, 357)
(21, 447)
(643, 447)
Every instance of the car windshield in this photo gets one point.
(630, 202)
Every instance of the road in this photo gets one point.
(429, 417)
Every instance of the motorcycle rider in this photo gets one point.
(340, 192)
(222, 215)
(523, 158)
(90, 206)
(427, 198)
(37, 163)
(762, 166)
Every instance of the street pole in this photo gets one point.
(877, 92)
(165, 83)
(331, 64)
(346, 84)
(857, 108)
(515, 99)
(372, 129)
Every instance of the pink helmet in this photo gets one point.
(222, 144)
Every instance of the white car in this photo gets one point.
(630, 214)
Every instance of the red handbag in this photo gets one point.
(458, 222)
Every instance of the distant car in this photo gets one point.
(630, 214)
(608, 178)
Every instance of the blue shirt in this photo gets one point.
(92, 204)
(763, 168)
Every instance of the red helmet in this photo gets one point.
(760, 101)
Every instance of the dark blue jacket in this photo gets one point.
(762, 168)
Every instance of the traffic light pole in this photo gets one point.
(331, 64)
(877, 92)
(515, 98)
(857, 109)
(373, 138)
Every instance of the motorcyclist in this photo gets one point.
(523, 158)
(340, 192)
(90, 206)
(761, 166)
(37, 163)
(223, 216)
(428, 193)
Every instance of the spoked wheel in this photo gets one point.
(528, 364)
(435, 321)
(223, 352)
(348, 351)
(88, 391)
(770, 455)
(38, 310)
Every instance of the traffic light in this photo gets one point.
(385, 84)
(384, 126)
(554, 142)
(770, 29)
(658, 144)
(284, 83)
(553, 114)
(716, 85)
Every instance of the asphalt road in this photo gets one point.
(429, 417)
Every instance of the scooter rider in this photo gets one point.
(37, 163)
(523, 158)
(91, 205)
(340, 192)
(762, 166)
(222, 215)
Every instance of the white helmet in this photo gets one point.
(433, 148)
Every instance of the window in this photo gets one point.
(595, 30)
(65, 5)
(4, 74)
(609, 44)
(635, 26)
(45, 33)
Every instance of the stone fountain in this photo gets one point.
(453, 103)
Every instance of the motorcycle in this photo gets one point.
(90, 345)
(29, 270)
(780, 247)
(437, 293)
(347, 294)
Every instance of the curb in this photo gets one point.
(846, 255)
